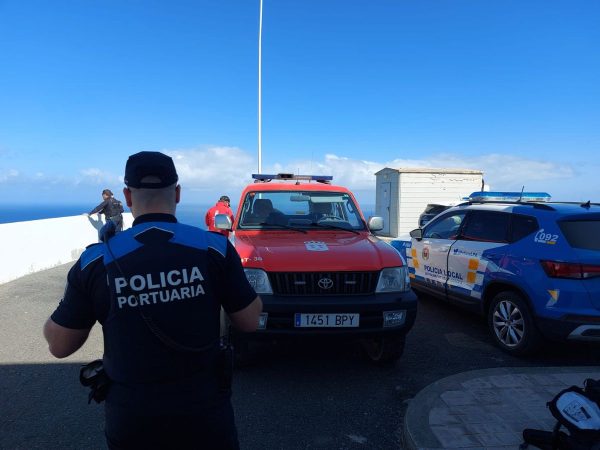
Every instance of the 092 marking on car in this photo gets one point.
(542, 237)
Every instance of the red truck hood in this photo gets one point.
(277, 251)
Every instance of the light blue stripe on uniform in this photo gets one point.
(121, 245)
(91, 254)
(195, 237)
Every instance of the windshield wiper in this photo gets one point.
(334, 227)
(287, 227)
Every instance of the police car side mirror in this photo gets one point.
(417, 234)
(375, 223)
(223, 222)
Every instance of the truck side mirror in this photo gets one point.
(223, 222)
(375, 223)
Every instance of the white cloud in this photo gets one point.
(9, 175)
(207, 172)
(213, 167)
(94, 176)
(561, 179)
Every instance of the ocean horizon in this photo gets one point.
(190, 214)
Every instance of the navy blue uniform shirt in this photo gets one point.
(178, 275)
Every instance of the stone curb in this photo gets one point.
(416, 432)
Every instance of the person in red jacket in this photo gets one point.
(222, 207)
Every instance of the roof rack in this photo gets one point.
(263, 178)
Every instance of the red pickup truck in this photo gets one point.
(311, 256)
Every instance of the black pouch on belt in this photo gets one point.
(92, 375)
(225, 365)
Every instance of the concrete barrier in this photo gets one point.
(29, 247)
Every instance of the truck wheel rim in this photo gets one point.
(508, 323)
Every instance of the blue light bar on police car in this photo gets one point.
(491, 196)
(291, 176)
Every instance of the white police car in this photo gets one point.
(531, 266)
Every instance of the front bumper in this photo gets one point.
(282, 309)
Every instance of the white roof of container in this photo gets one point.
(431, 170)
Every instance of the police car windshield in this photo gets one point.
(300, 209)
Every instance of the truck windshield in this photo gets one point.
(319, 210)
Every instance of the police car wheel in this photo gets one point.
(384, 350)
(512, 325)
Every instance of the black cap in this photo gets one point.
(145, 164)
(224, 198)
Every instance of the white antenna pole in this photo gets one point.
(260, 89)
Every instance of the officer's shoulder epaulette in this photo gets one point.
(91, 253)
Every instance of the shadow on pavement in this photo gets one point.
(43, 406)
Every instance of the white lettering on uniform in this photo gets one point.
(156, 283)
(196, 275)
(170, 277)
(150, 284)
(132, 300)
(119, 283)
(137, 283)
(144, 299)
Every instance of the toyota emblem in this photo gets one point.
(325, 283)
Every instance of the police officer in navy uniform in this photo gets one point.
(157, 290)
(111, 208)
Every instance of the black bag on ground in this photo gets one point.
(577, 410)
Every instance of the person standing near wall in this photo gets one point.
(221, 207)
(111, 208)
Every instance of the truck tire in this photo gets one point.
(384, 350)
(512, 325)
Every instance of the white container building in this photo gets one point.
(402, 194)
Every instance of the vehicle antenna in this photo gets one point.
(521, 197)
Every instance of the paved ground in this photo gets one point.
(487, 409)
(298, 395)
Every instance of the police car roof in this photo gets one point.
(563, 208)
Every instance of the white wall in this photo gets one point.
(36, 245)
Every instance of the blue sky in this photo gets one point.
(349, 87)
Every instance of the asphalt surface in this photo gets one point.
(296, 395)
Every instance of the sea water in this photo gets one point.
(191, 214)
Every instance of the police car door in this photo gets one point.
(430, 254)
(474, 252)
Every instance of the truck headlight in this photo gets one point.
(259, 280)
(393, 279)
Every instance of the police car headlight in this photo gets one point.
(259, 280)
(393, 279)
